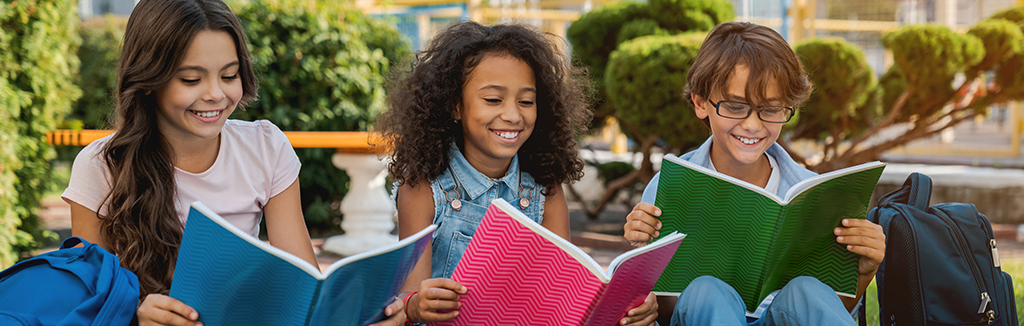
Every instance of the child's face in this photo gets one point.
(204, 90)
(498, 109)
(738, 142)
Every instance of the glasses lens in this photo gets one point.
(775, 114)
(733, 110)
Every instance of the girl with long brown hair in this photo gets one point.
(183, 69)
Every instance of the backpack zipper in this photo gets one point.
(965, 251)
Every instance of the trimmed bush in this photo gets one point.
(645, 80)
(927, 58)
(322, 67)
(37, 69)
(845, 96)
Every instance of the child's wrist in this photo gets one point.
(408, 301)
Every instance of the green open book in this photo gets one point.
(754, 240)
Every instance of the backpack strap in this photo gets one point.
(920, 190)
(71, 242)
(916, 191)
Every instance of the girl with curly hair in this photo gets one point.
(484, 113)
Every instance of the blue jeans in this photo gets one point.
(803, 301)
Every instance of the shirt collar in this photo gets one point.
(477, 183)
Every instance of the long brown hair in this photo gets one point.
(419, 125)
(142, 226)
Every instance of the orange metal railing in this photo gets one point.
(343, 141)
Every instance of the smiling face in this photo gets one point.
(204, 91)
(738, 144)
(498, 112)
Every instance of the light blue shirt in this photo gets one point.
(790, 173)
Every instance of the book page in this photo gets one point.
(811, 182)
(517, 276)
(359, 287)
(806, 244)
(231, 278)
(633, 276)
(729, 226)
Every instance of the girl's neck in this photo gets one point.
(494, 168)
(193, 155)
(756, 173)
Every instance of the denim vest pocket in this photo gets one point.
(458, 246)
(455, 231)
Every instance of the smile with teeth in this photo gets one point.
(206, 114)
(507, 134)
(748, 141)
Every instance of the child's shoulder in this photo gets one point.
(260, 131)
(92, 154)
(258, 127)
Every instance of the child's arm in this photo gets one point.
(866, 239)
(416, 212)
(286, 227)
(556, 213)
(85, 224)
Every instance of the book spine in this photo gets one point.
(312, 304)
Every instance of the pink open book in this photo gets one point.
(519, 273)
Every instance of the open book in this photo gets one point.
(232, 278)
(754, 240)
(519, 273)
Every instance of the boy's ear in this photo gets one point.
(698, 106)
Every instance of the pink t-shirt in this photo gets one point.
(255, 162)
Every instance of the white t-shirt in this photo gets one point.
(255, 162)
(773, 179)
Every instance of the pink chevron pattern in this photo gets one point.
(517, 277)
(630, 284)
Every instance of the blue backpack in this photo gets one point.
(70, 286)
(941, 262)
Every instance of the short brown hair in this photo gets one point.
(765, 53)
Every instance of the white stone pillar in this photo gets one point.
(367, 208)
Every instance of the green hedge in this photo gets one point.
(37, 68)
(644, 83)
(598, 33)
(846, 97)
(101, 45)
(322, 67)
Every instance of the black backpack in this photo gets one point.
(941, 263)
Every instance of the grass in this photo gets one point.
(1014, 267)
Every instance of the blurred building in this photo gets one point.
(90, 8)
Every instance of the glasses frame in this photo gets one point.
(718, 109)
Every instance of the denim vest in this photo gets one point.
(475, 192)
(789, 170)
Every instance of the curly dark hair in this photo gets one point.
(419, 125)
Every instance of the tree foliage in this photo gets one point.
(644, 83)
(322, 67)
(37, 66)
(101, 45)
(939, 78)
(639, 64)
(845, 99)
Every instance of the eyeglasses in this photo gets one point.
(740, 111)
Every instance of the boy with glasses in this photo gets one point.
(744, 85)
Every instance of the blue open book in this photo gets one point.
(232, 278)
